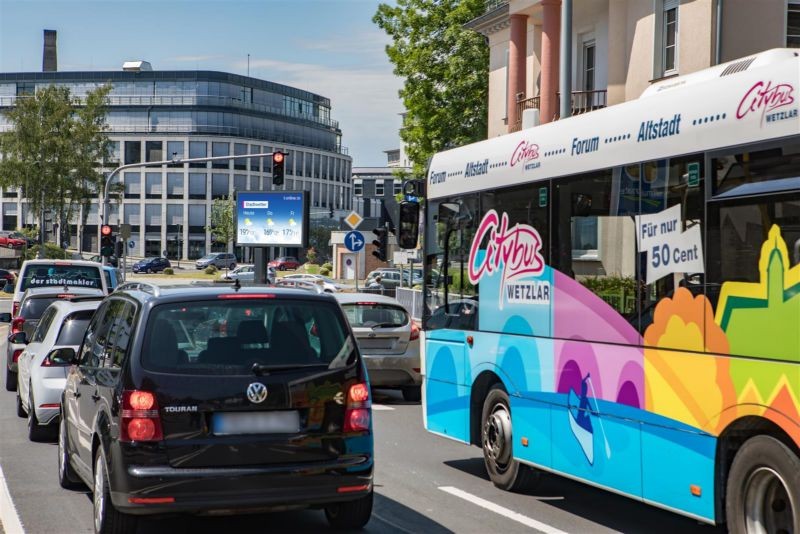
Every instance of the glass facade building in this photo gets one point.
(160, 115)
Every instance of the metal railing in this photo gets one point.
(491, 5)
(581, 102)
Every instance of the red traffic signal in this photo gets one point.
(277, 157)
(105, 230)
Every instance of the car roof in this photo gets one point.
(68, 306)
(146, 292)
(85, 263)
(352, 298)
(59, 290)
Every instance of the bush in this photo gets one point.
(211, 269)
(324, 272)
(309, 268)
(169, 270)
(51, 252)
(328, 266)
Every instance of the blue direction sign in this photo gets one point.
(354, 241)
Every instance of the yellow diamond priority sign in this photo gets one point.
(353, 220)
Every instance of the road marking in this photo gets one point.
(9, 518)
(381, 407)
(496, 508)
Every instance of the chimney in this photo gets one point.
(49, 57)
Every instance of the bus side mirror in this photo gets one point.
(409, 225)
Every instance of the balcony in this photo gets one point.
(581, 102)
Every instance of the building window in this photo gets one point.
(175, 185)
(378, 188)
(153, 183)
(397, 187)
(255, 163)
(133, 185)
(219, 186)
(133, 152)
(221, 149)
(793, 24)
(198, 149)
(175, 150)
(240, 182)
(588, 65)
(112, 156)
(240, 149)
(666, 38)
(154, 151)
(197, 185)
(358, 188)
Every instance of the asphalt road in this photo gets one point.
(423, 483)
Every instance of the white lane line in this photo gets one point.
(505, 512)
(379, 407)
(9, 519)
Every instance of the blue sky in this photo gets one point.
(330, 47)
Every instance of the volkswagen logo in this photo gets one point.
(257, 392)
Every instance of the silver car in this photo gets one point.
(220, 260)
(388, 339)
(247, 273)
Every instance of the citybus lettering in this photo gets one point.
(765, 97)
(525, 151)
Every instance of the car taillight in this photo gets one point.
(16, 325)
(15, 356)
(414, 331)
(357, 413)
(14, 308)
(140, 418)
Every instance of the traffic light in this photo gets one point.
(106, 241)
(118, 248)
(330, 213)
(381, 243)
(277, 167)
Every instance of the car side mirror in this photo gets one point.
(20, 338)
(409, 225)
(63, 356)
(5, 317)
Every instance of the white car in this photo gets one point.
(328, 285)
(247, 273)
(42, 373)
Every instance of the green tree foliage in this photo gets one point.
(445, 67)
(53, 147)
(319, 238)
(222, 225)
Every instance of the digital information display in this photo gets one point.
(272, 219)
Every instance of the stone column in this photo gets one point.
(517, 51)
(551, 36)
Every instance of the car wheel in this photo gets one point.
(282, 268)
(496, 439)
(232, 266)
(763, 488)
(36, 432)
(10, 245)
(20, 409)
(67, 477)
(107, 519)
(412, 393)
(350, 515)
(11, 380)
(149, 270)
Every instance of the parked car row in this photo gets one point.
(191, 399)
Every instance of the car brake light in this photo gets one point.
(15, 356)
(414, 331)
(366, 303)
(16, 325)
(140, 418)
(14, 308)
(234, 296)
(357, 413)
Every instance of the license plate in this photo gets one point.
(230, 423)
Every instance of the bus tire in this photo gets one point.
(496, 441)
(763, 489)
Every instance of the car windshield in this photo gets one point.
(61, 275)
(34, 308)
(371, 314)
(209, 257)
(74, 327)
(230, 337)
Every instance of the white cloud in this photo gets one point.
(363, 100)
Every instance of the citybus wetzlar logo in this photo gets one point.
(524, 152)
(517, 249)
(765, 97)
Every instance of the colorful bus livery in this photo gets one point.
(630, 316)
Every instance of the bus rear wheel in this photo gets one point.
(496, 440)
(763, 489)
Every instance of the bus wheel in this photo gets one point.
(763, 489)
(496, 438)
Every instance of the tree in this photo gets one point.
(222, 225)
(53, 149)
(445, 67)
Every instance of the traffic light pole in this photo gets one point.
(174, 161)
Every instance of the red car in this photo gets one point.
(285, 262)
(10, 241)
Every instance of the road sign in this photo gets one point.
(354, 241)
(125, 231)
(693, 169)
(353, 220)
(131, 243)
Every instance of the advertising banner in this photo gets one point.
(272, 219)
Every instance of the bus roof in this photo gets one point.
(744, 101)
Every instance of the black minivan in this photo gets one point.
(218, 400)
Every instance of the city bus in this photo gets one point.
(615, 297)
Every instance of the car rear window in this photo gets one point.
(34, 308)
(61, 275)
(230, 336)
(370, 314)
(74, 327)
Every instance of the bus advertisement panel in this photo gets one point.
(616, 297)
